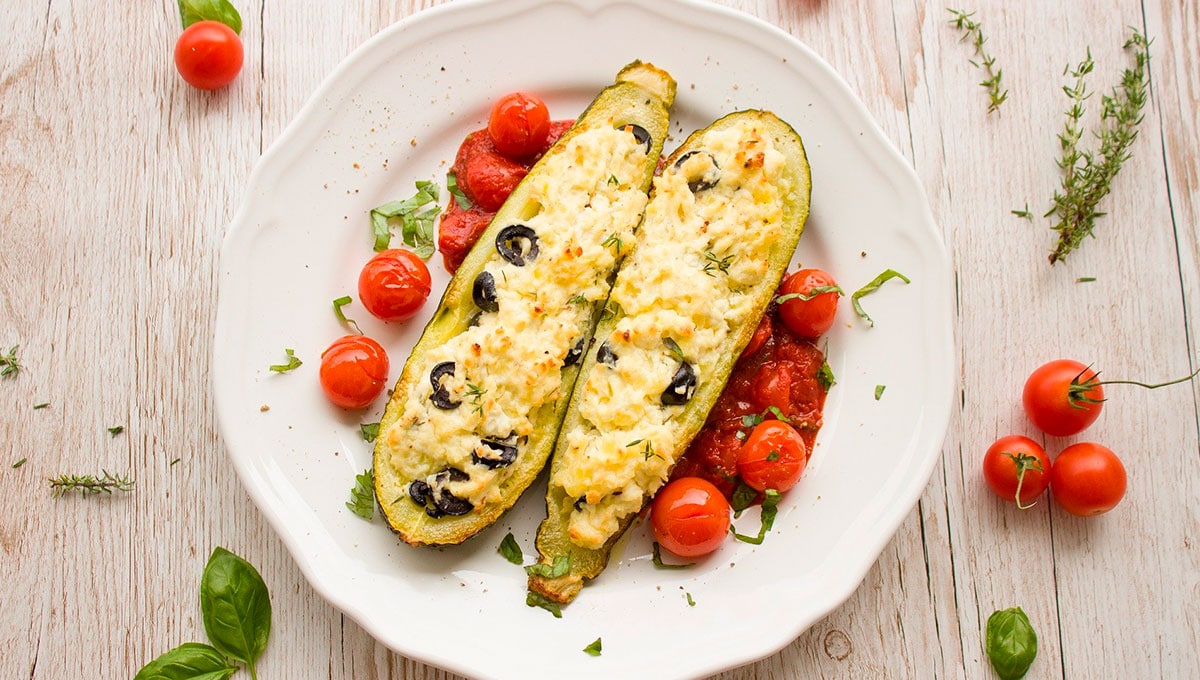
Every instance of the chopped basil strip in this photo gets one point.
(510, 550)
(459, 197)
(825, 377)
(562, 565)
(369, 431)
(769, 510)
(362, 496)
(293, 362)
(42, 405)
(115, 430)
(533, 599)
(656, 557)
(19, 463)
(690, 601)
(871, 288)
(593, 649)
(817, 290)
(1085, 279)
(416, 215)
(337, 310)
(743, 497)
(674, 347)
(879, 391)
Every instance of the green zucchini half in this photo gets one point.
(723, 222)
(477, 407)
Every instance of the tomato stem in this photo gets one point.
(1024, 462)
(1154, 386)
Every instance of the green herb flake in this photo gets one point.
(825, 377)
(192, 11)
(1085, 279)
(656, 557)
(751, 419)
(115, 430)
(674, 348)
(510, 550)
(773, 456)
(779, 415)
(337, 311)
(293, 362)
(714, 263)
(690, 601)
(533, 599)
(9, 365)
(560, 567)
(1024, 214)
(613, 181)
(816, 290)
(879, 391)
(38, 407)
(459, 197)
(416, 214)
(743, 497)
(593, 649)
(769, 510)
(369, 431)
(871, 287)
(362, 496)
(19, 463)
(613, 241)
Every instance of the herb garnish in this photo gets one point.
(754, 419)
(674, 347)
(362, 496)
(713, 262)
(192, 11)
(337, 310)
(9, 365)
(293, 362)
(475, 392)
(879, 391)
(115, 430)
(690, 601)
(236, 607)
(1024, 214)
(1087, 175)
(1085, 279)
(560, 567)
(369, 431)
(90, 484)
(534, 599)
(19, 463)
(816, 290)
(973, 31)
(825, 377)
(593, 649)
(510, 550)
(459, 197)
(613, 241)
(871, 288)
(656, 557)
(38, 407)
(416, 215)
(769, 510)
(743, 497)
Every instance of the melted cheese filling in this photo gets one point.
(690, 278)
(508, 366)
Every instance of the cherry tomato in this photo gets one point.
(772, 457)
(760, 337)
(1087, 479)
(519, 124)
(1062, 397)
(208, 55)
(354, 371)
(1015, 463)
(690, 517)
(394, 284)
(488, 178)
(812, 317)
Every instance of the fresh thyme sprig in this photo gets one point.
(8, 362)
(973, 31)
(712, 262)
(1088, 175)
(90, 484)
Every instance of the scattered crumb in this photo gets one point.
(863, 254)
(412, 142)
(264, 408)
(357, 166)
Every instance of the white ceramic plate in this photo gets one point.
(394, 112)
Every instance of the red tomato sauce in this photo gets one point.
(781, 373)
(486, 177)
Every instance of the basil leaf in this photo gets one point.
(293, 362)
(817, 290)
(362, 496)
(189, 661)
(879, 391)
(1011, 643)
(191, 11)
(825, 377)
(459, 197)
(656, 557)
(871, 288)
(369, 431)
(337, 310)
(236, 607)
(769, 510)
(416, 215)
(593, 649)
(510, 550)
(743, 497)
(533, 599)
(562, 565)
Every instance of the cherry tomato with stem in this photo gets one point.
(772, 457)
(808, 302)
(1062, 397)
(690, 517)
(1016, 468)
(394, 284)
(519, 124)
(1087, 479)
(208, 54)
(354, 371)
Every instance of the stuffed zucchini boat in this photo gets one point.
(477, 407)
(723, 222)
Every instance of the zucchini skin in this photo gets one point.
(554, 538)
(641, 95)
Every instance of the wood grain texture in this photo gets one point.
(117, 182)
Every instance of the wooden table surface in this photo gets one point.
(117, 183)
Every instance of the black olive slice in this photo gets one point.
(682, 386)
(708, 176)
(419, 491)
(444, 502)
(441, 396)
(639, 133)
(518, 244)
(449, 504)
(574, 354)
(605, 354)
(500, 452)
(578, 504)
(483, 292)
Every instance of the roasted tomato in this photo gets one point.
(772, 457)
(690, 517)
(394, 284)
(354, 371)
(519, 124)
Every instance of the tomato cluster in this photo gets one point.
(690, 515)
(1061, 398)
